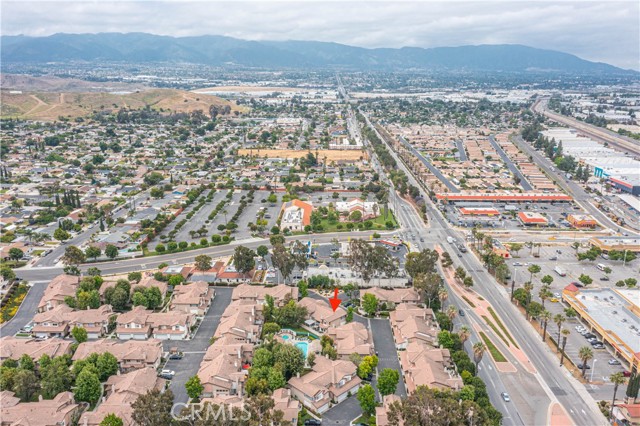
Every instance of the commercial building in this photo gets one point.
(506, 197)
(532, 219)
(479, 211)
(606, 244)
(296, 215)
(613, 314)
(582, 221)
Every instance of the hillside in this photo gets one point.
(223, 51)
(48, 106)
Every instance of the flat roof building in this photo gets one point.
(532, 219)
(607, 244)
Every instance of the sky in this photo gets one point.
(604, 31)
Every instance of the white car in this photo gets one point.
(505, 396)
(167, 374)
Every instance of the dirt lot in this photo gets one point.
(332, 155)
(248, 89)
(51, 105)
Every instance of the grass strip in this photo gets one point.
(466, 299)
(495, 329)
(502, 327)
(495, 353)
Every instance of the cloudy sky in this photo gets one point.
(606, 31)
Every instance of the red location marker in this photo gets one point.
(335, 302)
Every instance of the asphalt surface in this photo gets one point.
(461, 152)
(552, 380)
(577, 192)
(195, 348)
(433, 169)
(506, 160)
(27, 309)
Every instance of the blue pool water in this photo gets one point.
(303, 346)
(285, 337)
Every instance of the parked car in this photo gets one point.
(579, 328)
(577, 284)
(557, 295)
(553, 258)
(590, 336)
(626, 373)
(605, 278)
(554, 300)
(613, 361)
(312, 422)
(167, 374)
(177, 355)
(505, 396)
(598, 345)
(592, 340)
(586, 368)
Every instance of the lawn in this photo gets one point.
(502, 327)
(379, 224)
(495, 353)
(466, 299)
(495, 329)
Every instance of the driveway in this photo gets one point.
(343, 413)
(195, 348)
(386, 349)
(26, 311)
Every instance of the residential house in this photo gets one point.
(382, 418)
(133, 324)
(57, 290)
(295, 215)
(410, 323)
(327, 381)
(140, 323)
(59, 321)
(227, 344)
(193, 298)
(131, 354)
(222, 374)
(321, 315)
(393, 297)
(285, 402)
(351, 338)
(257, 293)
(14, 347)
(425, 365)
(120, 392)
(58, 411)
(242, 320)
(228, 275)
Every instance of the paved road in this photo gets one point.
(552, 380)
(515, 170)
(195, 348)
(26, 311)
(386, 348)
(569, 186)
(433, 169)
(343, 413)
(461, 151)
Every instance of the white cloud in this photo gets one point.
(604, 31)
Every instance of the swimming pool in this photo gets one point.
(304, 347)
(285, 337)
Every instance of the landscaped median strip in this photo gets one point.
(495, 329)
(495, 353)
(502, 327)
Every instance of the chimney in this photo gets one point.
(39, 398)
(298, 375)
(239, 354)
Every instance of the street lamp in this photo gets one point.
(593, 368)
(513, 281)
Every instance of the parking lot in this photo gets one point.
(564, 257)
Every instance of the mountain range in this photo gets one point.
(220, 51)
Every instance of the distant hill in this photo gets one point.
(219, 51)
(48, 106)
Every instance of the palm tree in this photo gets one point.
(559, 319)
(545, 317)
(528, 286)
(544, 294)
(565, 334)
(478, 351)
(451, 313)
(585, 354)
(443, 295)
(464, 334)
(617, 379)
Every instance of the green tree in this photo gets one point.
(370, 304)
(388, 381)
(107, 366)
(154, 297)
(262, 251)
(134, 276)
(25, 385)
(243, 259)
(139, 299)
(79, 334)
(276, 379)
(93, 252)
(203, 262)
(15, 253)
(73, 256)
(111, 420)
(367, 399)
(153, 408)
(61, 235)
(585, 279)
(194, 387)
(262, 358)
(585, 354)
(56, 377)
(87, 386)
(290, 358)
(111, 251)
(617, 379)
(303, 288)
